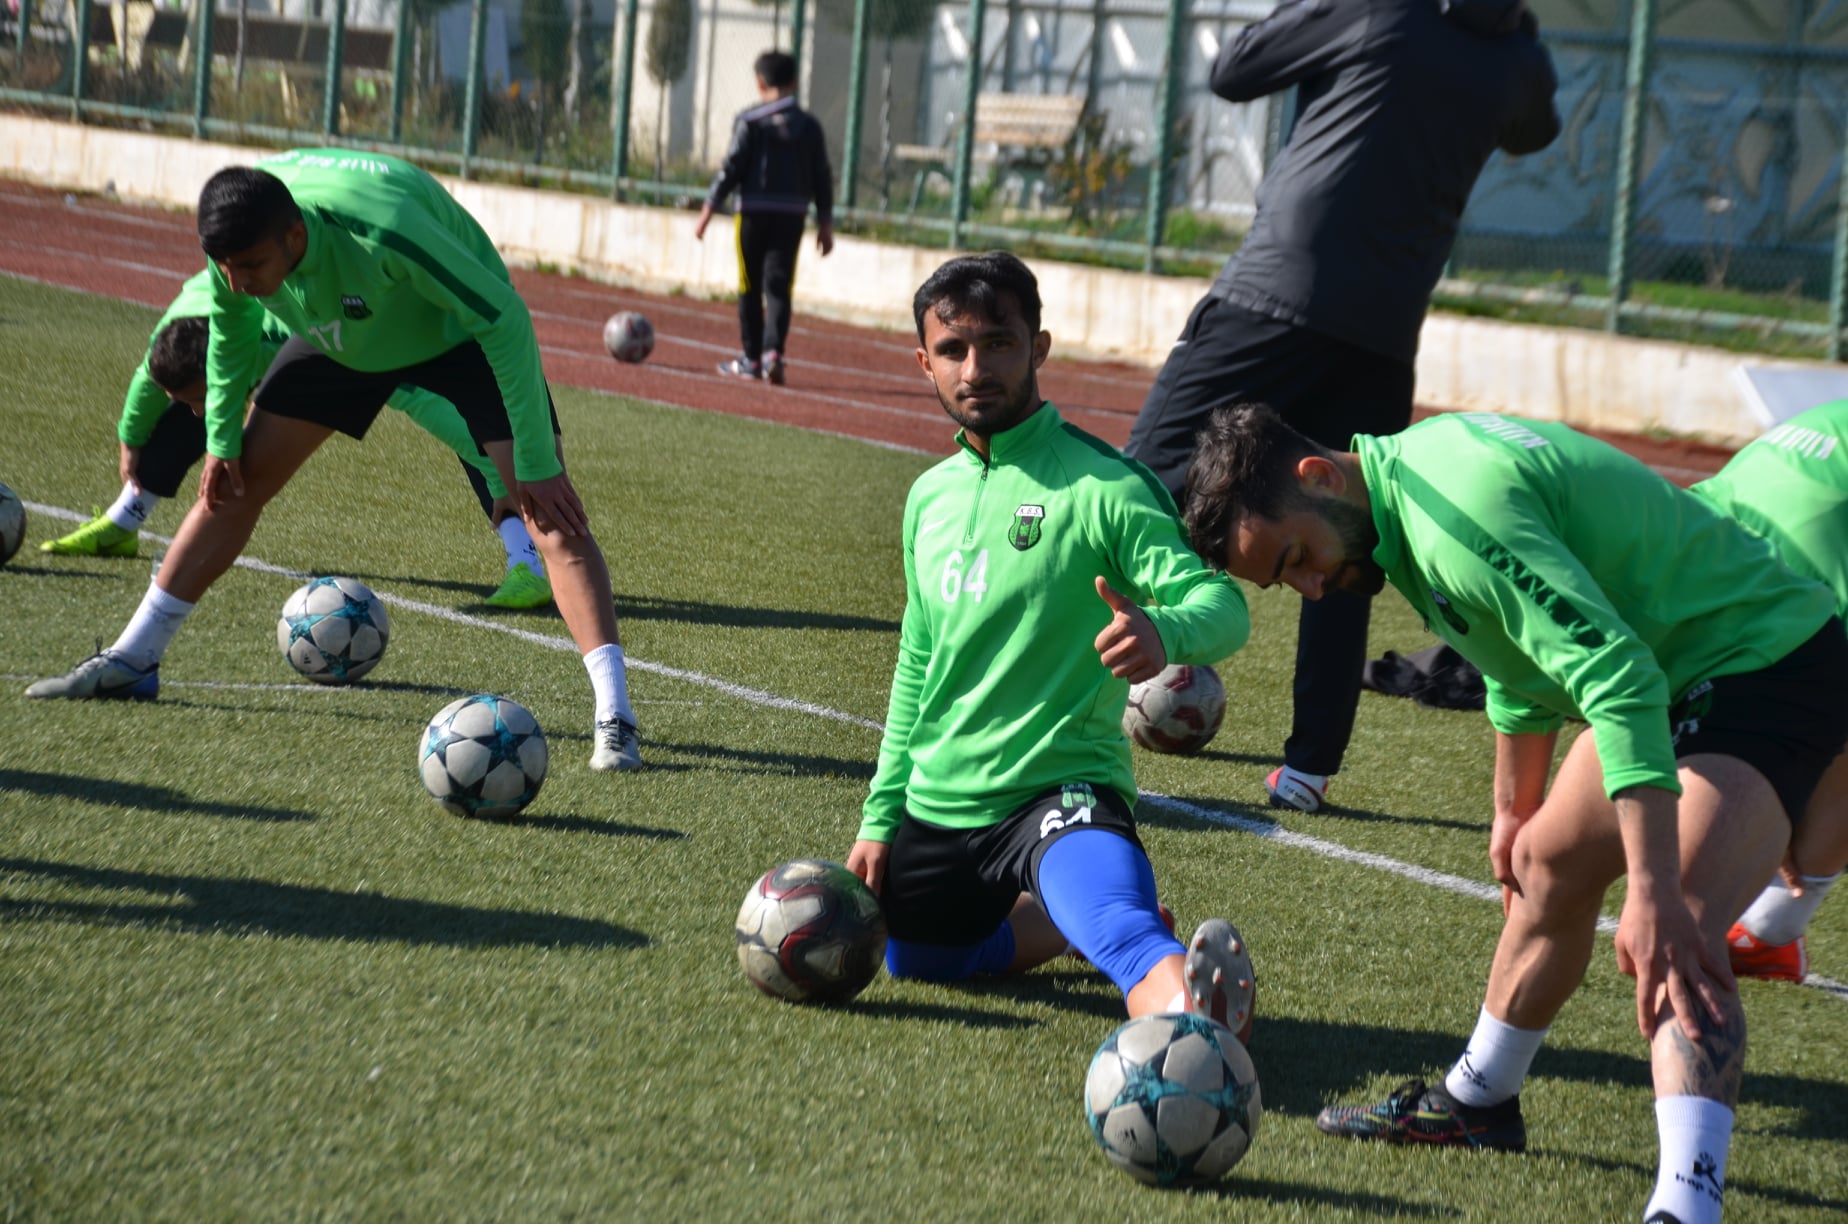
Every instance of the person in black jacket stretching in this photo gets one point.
(778, 162)
(1400, 104)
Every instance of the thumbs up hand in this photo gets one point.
(1129, 645)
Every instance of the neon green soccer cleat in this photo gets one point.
(97, 538)
(522, 588)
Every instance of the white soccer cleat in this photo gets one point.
(1291, 788)
(102, 675)
(618, 747)
(1220, 981)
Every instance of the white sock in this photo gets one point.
(610, 681)
(1778, 916)
(1695, 1135)
(1494, 1062)
(131, 509)
(1180, 1003)
(519, 544)
(152, 627)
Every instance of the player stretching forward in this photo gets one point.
(162, 435)
(1004, 775)
(384, 280)
(1710, 677)
(1791, 487)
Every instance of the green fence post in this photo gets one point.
(1629, 157)
(798, 21)
(400, 69)
(965, 144)
(336, 46)
(622, 85)
(202, 66)
(1159, 185)
(856, 104)
(22, 35)
(1838, 274)
(80, 66)
(471, 101)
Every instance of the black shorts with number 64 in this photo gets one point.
(954, 887)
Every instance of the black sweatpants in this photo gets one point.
(768, 243)
(1327, 390)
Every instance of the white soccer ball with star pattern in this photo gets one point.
(483, 757)
(333, 630)
(1173, 1099)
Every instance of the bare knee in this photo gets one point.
(1556, 881)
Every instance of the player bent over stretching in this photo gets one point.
(1583, 585)
(162, 434)
(384, 280)
(999, 826)
(1791, 487)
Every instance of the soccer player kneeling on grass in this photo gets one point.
(998, 830)
(383, 281)
(1583, 585)
(162, 434)
(1791, 487)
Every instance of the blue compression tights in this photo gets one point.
(1098, 889)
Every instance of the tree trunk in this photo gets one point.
(580, 52)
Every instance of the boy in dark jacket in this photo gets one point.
(778, 163)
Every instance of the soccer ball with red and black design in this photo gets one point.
(333, 630)
(629, 336)
(483, 757)
(1173, 1099)
(1177, 712)
(12, 524)
(810, 931)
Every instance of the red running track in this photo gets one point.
(843, 379)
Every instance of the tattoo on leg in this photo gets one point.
(1711, 1067)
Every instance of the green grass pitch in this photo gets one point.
(248, 969)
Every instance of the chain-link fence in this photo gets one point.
(1695, 192)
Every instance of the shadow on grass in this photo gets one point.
(1303, 1063)
(53, 571)
(1735, 1186)
(938, 1013)
(693, 612)
(1295, 1194)
(107, 792)
(644, 608)
(566, 823)
(220, 905)
(741, 760)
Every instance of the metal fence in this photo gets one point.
(1697, 191)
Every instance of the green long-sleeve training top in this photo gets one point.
(396, 273)
(999, 694)
(1580, 582)
(145, 402)
(1791, 487)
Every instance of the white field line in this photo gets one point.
(741, 692)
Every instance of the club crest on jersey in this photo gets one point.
(1027, 523)
(1451, 616)
(355, 306)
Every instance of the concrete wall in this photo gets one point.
(1583, 378)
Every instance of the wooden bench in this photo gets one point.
(1017, 131)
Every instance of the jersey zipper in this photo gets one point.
(975, 507)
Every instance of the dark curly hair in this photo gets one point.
(241, 206)
(1244, 466)
(177, 359)
(973, 284)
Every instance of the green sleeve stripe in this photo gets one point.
(1464, 530)
(438, 271)
(1156, 489)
